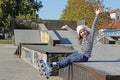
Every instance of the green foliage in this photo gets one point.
(3, 41)
(18, 9)
(83, 10)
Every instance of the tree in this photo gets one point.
(83, 10)
(14, 8)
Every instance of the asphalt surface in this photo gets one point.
(14, 68)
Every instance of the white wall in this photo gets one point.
(115, 16)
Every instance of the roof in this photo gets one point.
(112, 11)
(109, 38)
(113, 25)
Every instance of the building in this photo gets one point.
(111, 30)
(115, 14)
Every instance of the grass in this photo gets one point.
(118, 42)
(3, 41)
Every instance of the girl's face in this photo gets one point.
(83, 33)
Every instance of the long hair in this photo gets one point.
(80, 38)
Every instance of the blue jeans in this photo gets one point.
(74, 57)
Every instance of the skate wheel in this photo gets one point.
(47, 77)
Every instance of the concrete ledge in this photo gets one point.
(32, 53)
(78, 71)
(30, 56)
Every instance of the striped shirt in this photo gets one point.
(87, 46)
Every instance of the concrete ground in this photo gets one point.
(14, 68)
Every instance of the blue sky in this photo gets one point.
(52, 9)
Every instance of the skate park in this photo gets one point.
(54, 44)
(31, 33)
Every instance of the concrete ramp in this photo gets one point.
(14, 68)
(26, 36)
(104, 65)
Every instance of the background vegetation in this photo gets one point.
(11, 10)
(85, 10)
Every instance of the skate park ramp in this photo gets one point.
(14, 68)
(103, 65)
(26, 36)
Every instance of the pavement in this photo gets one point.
(14, 68)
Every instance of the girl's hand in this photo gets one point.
(97, 11)
(64, 27)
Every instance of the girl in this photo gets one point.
(85, 39)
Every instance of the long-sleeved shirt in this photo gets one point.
(87, 46)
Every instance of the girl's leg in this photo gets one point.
(74, 57)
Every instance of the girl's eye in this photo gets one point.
(81, 31)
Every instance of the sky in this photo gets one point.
(52, 9)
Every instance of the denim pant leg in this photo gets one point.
(74, 57)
